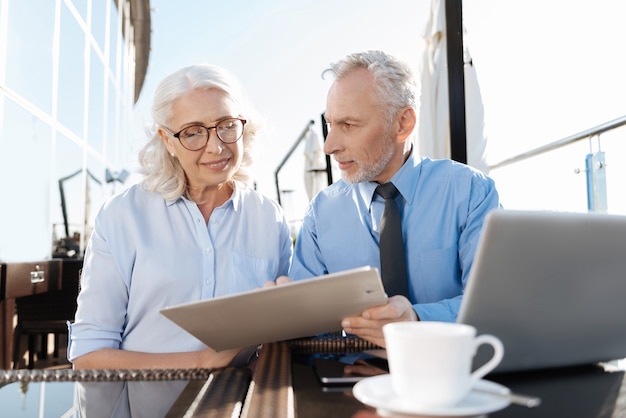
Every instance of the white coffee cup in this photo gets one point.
(430, 362)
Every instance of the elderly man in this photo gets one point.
(371, 115)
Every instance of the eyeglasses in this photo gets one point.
(195, 137)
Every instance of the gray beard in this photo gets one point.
(371, 170)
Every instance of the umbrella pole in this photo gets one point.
(329, 171)
(456, 80)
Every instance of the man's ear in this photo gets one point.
(406, 123)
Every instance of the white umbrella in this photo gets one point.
(434, 117)
(315, 178)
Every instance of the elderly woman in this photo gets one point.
(191, 230)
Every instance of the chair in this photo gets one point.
(46, 313)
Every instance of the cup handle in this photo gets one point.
(498, 353)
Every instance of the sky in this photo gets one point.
(546, 70)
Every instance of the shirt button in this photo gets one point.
(207, 251)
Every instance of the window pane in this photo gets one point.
(95, 194)
(81, 7)
(115, 34)
(71, 73)
(26, 166)
(112, 125)
(98, 22)
(29, 51)
(96, 103)
(69, 197)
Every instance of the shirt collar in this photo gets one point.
(405, 180)
(235, 199)
(407, 176)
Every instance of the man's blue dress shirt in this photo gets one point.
(444, 206)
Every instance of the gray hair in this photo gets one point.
(164, 174)
(395, 84)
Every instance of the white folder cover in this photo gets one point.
(297, 309)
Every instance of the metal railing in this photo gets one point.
(595, 169)
(286, 158)
(595, 164)
(600, 129)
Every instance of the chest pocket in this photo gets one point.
(439, 275)
(251, 272)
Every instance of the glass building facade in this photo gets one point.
(70, 73)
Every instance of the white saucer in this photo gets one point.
(376, 391)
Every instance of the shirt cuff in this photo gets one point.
(246, 356)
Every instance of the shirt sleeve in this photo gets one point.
(307, 258)
(102, 300)
(286, 249)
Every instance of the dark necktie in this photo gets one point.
(392, 260)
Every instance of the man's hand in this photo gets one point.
(369, 325)
(280, 280)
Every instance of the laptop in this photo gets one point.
(551, 286)
(297, 309)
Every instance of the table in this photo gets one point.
(281, 384)
(259, 391)
(596, 390)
